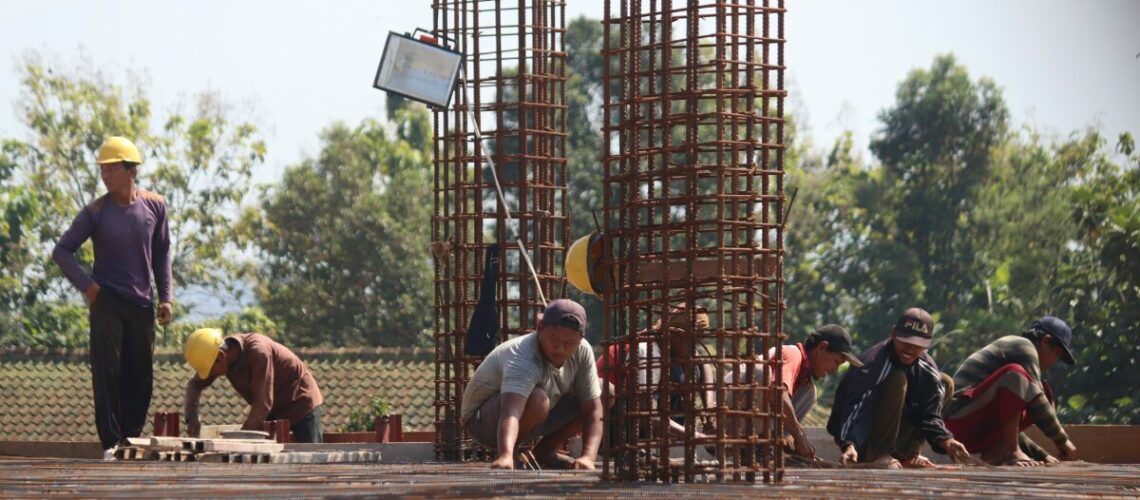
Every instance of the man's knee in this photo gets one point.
(1012, 371)
(537, 403)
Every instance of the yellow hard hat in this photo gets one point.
(202, 349)
(577, 264)
(117, 149)
(587, 265)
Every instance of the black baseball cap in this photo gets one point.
(1060, 332)
(916, 327)
(565, 313)
(838, 340)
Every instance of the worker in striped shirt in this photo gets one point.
(1003, 394)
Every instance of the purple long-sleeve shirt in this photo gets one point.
(132, 243)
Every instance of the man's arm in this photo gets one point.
(792, 425)
(161, 265)
(64, 252)
(510, 411)
(194, 390)
(1042, 414)
(591, 415)
(262, 375)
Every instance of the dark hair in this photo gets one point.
(1033, 334)
(812, 340)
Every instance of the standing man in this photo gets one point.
(885, 408)
(1003, 394)
(267, 375)
(540, 385)
(129, 232)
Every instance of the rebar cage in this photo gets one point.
(693, 166)
(513, 82)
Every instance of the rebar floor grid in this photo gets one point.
(26, 478)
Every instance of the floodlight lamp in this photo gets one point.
(418, 69)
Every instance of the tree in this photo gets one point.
(935, 147)
(584, 145)
(200, 162)
(1098, 286)
(342, 242)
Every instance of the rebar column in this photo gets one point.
(693, 168)
(514, 83)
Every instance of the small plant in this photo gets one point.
(363, 420)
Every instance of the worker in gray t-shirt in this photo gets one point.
(540, 385)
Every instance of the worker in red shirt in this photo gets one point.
(821, 354)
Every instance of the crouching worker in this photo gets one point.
(274, 381)
(820, 355)
(883, 410)
(824, 351)
(1003, 393)
(542, 385)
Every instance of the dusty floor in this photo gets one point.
(26, 477)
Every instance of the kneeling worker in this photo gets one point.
(884, 409)
(273, 380)
(540, 385)
(1003, 393)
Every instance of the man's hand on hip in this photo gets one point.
(91, 293)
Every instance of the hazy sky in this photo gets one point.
(299, 65)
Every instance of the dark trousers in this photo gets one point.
(309, 429)
(890, 434)
(122, 371)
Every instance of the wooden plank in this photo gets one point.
(139, 442)
(1104, 444)
(235, 446)
(211, 457)
(215, 431)
(325, 457)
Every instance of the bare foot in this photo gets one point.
(917, 462)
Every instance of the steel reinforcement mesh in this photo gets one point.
(514, 83)
(693, 164)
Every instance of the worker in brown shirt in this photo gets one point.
(273, 380)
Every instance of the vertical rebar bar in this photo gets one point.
(514, 86)
(693, 167)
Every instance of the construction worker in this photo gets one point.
(820, 355)
(129, 234)
(1003, 393)
(274, 381)
(884, 409)
(540, 385)
(683, 345)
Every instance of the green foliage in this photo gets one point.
(342, 241)
(936, 146)
(364, 420)
(987, 230)
(584, 143)
(200, 162)
(248, 320)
